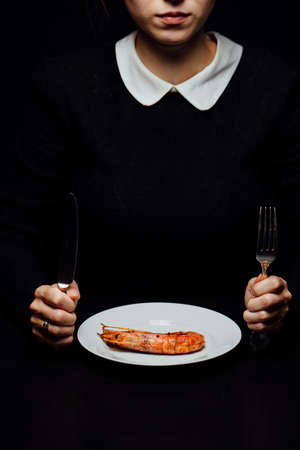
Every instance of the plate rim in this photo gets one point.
(238, 329)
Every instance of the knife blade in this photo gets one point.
(69, 244)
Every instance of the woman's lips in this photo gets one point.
(172, 18)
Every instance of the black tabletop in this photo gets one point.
(74, 399)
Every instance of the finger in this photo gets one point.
(54, 315)
(249, 293)
(35, 305)
(270, 284)
(268, 301)
(264, 316)
(53, 330)
(265, 327)
(280, 305)
(274, 322)
(251, 283)
(55, 297)
(56, 343)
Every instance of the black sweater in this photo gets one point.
(168, 194)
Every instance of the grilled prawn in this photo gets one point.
(179, 342)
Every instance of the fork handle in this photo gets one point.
(258, 339)
(264, 268)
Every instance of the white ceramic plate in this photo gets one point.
(221, 333)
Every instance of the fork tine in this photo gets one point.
(264, 243)
(267, 235)
(270, 229)
(275, 231)
(259, 230)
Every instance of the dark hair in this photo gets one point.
(104, 6)
(111, 6)
(109, 20)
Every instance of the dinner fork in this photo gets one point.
(266, 252)
(267, 237)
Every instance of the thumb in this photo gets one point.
(260, 277)
(73, 291)
(250, 288)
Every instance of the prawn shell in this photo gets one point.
(176, 343)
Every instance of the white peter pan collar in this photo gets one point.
(202, 90)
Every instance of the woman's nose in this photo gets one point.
(174, 2)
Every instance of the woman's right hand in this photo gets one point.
(57, 308)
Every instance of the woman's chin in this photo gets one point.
(171, 39)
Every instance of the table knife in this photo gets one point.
(69, 243)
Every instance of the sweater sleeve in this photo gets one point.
(33, 184)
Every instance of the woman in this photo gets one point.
(170, 141)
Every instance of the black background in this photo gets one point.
(33, 28)
(249, 401)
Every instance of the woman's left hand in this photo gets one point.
(267, 302)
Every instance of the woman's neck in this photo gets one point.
(173, 63)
